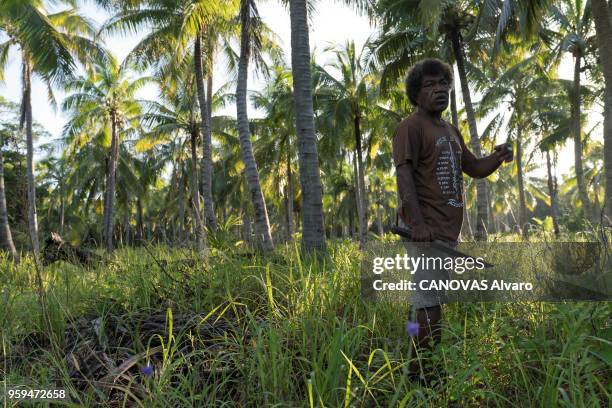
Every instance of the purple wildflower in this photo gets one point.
(147, 370)
(412, 328)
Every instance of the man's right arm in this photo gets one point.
(410, 203)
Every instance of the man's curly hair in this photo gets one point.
(428, 66)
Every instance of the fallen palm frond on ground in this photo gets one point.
(113, 353)
(56, 249)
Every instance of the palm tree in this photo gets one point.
(551, 184)
(148, 168)
(218, 31)
(47, 44)
(229, 183)
(554, 125)
(6, 238)
(593, 170)
(177, 115)
(249, 48)
(313, 231)
(575, 30)
(514, 86)
(602, 14)
(552, 193)
(205, 117)
(54, 172)
(104, 99)
(274, 147)
(218, 34)
(349, 100)
(180, 26)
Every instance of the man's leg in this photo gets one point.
(426, 308)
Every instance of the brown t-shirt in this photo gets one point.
(438, 155)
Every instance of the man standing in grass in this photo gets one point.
(430, 156)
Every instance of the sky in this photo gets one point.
(332, 24)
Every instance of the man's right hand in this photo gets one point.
(421, 233)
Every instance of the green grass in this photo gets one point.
(289, 332)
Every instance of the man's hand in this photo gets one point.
(503, 153)
(421, 233)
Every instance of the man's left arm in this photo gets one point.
(485, 166)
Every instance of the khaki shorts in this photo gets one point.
(423, 276)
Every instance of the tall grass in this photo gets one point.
(297, 333)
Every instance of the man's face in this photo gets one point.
(434, 93)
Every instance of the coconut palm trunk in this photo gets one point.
(289, 193)
(602, 14)
(246, 224)
(357, 195)
(263, 237)
(552, 193)
(361, 196)
(209, 91)
(481, 186)
(313, 232)
(209, 210)
(454, 113)
(31, 187)
(466, 227)
(139, 221)
(379, 223)
(6, 238)
(109, 204)
(62, 208)
(126, 224)
(577, 134)
(521, 183)
(491, 221)
(197, 217)
(181, 211)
